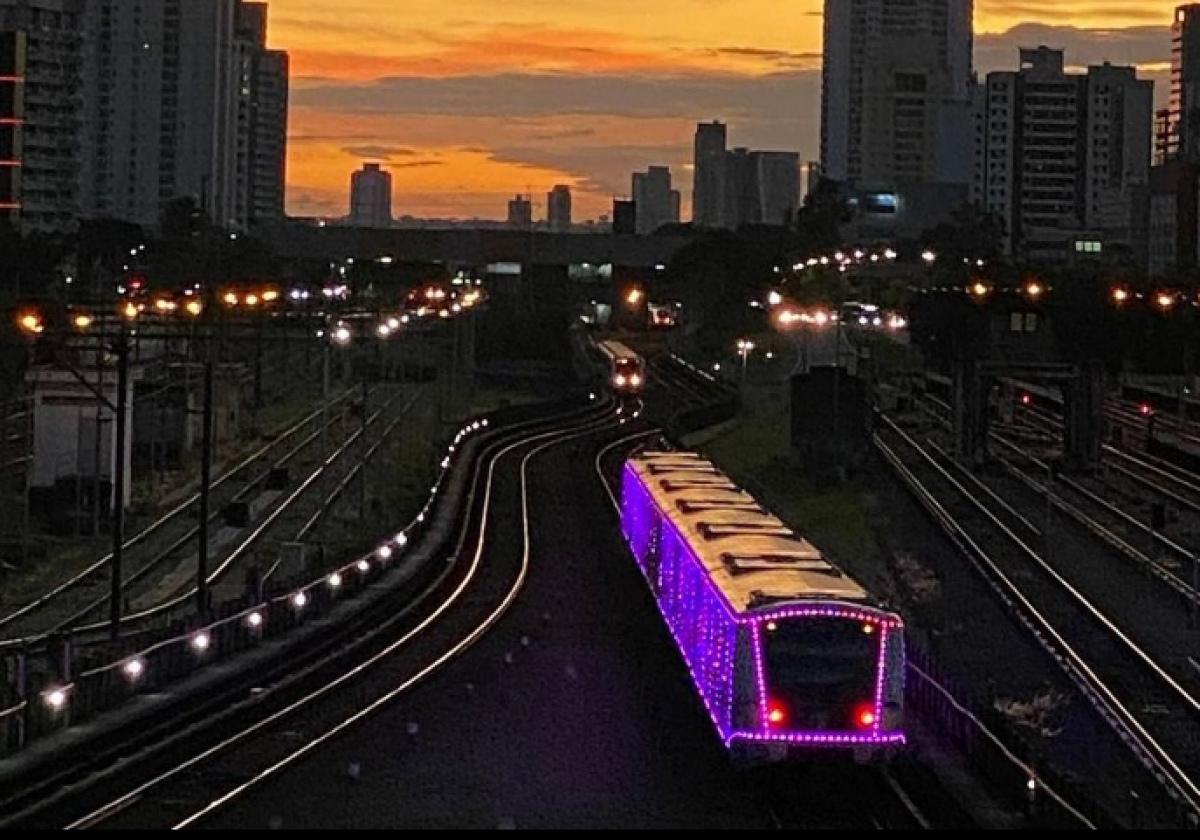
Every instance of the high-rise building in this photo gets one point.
(890, 66)
(371, 197)
(558, 204)
(520, 213)
(39, 114)
(1183, 131)
(777, 187)
(708, 197)
(761, 188)
(655, 199)
(1174, 226)
(1068, 157)
(262, 136)
(625, 217)
(182, 99)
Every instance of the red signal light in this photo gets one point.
(1026, 400)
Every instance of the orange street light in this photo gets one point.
(635, 297)
(1120, 296)
(1165, 301)
(31, 323)
(1034, 289)
(82, 321)
(130, 311)
(195, 308)
(980, 290)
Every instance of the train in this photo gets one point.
(791, 657)
(626, 369)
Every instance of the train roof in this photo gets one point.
(753, 558)
(617, 350)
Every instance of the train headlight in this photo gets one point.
(635, 381)
(621, 381)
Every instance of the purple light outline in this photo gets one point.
(816, 738)
(760, 676)
(839, 610)
(880, 680)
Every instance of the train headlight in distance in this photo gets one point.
(621, 381)
(636, 381)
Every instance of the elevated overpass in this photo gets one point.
(475, 247)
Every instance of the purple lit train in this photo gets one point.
(788, 653)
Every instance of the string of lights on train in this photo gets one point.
(136, 668)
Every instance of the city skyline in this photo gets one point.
(472, 104)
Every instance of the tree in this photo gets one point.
(971, 235)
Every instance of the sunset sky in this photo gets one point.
(471, 101)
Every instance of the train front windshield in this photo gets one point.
(821, 675)
(628, 373)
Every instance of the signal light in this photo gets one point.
(1026, 400)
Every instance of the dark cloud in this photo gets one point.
(1138, 45)
(377, 152)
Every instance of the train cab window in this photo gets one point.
(823, 670)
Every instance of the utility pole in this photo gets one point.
(207, 448)
(206, 469)
(362, 447)
(116, 607)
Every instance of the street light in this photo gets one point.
(745, 347)
(1034, 289)
(31, 323)
(1165, 301)
(1120, 296)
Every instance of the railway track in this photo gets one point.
(74, 601)
(218, 761)
(1144, 698)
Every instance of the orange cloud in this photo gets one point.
(454, 162)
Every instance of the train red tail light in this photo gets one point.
(777, 714)
(865, 717)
